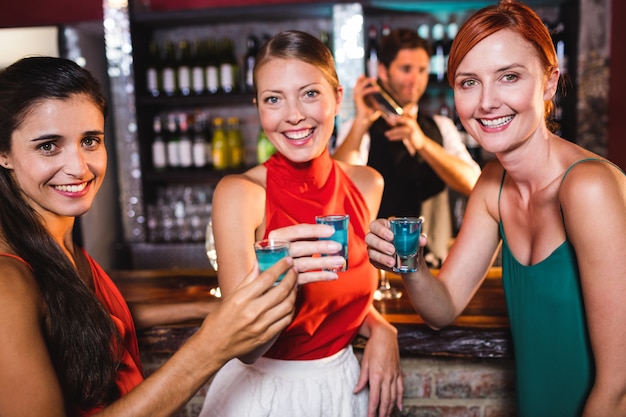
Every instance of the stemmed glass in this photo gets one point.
(385, 291)
(211, 253)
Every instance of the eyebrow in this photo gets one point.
(501, 69)
(57, 136)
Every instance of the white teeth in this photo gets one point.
(71, 188)
(299, 135)
(500, 121)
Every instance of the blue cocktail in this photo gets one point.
(270, 251)
(406, 234)
(340, 222)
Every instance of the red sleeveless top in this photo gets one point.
(130, 373)
(329, 314)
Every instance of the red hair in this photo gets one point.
(510, 15)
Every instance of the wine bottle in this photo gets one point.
(168, 73)
(219, 145)
(159, 153)
(212, 68)
(437, 60)
(183, 68)
(173, 159)
(235, 142)
(184, 142)
(252, 47)
(371, 67)
(199, 150)
(153, 71)
(197, 67)
(228, 66)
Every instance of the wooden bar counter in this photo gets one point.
(466, 369)
(481, 331)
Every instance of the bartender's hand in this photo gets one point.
(408, 131)
(380, 247)
(363, 113)
(305, 248)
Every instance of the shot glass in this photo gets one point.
(270, 251)
(406, 235)
(340, 223)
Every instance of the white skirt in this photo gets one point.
(278, 388)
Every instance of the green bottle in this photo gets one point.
(235, 142)
(264, 148)
(219, 145)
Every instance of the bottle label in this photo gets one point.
(169, 81)
(159, 156)
(199, 154)
(212, 79)
(185, 153)
(184, 80)
(152, 81)
(226, 77)
(173, 159)
(197, 76)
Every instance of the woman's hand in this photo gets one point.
(381, 369)
(306, 248)
(380, 247)
(254, 313)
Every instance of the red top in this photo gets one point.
(329, 314)
(130, 373)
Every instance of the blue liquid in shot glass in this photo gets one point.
(268, 255)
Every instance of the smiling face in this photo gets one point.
(407, 75)
(500, 87)
(57, 156)
(297, 106)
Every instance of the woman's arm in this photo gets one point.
(380, 366)
(440, 300)
(28, 382)
(148, 314)
(593, 199)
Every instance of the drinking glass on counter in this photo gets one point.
(270, 251)
(340, 222)
(211, 253)
(406, 235)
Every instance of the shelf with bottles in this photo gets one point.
(199, 145)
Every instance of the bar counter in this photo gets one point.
(466, 369)
(480, 332)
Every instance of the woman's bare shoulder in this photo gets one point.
(17, 283)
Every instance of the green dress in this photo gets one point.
(554, 362)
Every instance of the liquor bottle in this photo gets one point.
(154, 67)
(168, 73)
(451, 31)
(438, 60)
(228, 66)
(252, 47)
(185, 155)
(264, 148)
(386, 30)
(197, 67)
(235, 142)
(219, 145)
(159, 153)
(199, 150)
(173, 158)
(326, 40)
(371, 67)
(184, 68)
(212, 76)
